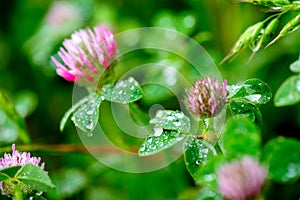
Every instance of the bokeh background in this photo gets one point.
(32, 30)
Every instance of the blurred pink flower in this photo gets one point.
(19, 159)
(62, 12)
(86, 55)
(207, 97)
(241, 180)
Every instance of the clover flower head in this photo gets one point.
(86, 55)
(241, 180)
(207, 97)
(19, 159)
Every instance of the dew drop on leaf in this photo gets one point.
(253, 98)
(170, 118)
(179, 115)
(298, 85)
(131, 79)
(89, 125)
(159, 113)
(149, 139)
(157, 131)
(177, 123)
(142, 148)
(90, 112)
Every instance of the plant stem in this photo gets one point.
(139, 114)
(65, 148)
(18, 194)
(218, 148)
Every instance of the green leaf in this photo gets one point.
(282, 155)
(124, 91)
(69, 182)
(196, 153)
(289, 92)
(241, 137)
(208, 194)
(10, 171)
(295, 66)
(253, 90)
(207, 175)
(68, 114)
(4, 176)
(248, 110)
(172, 120)
(11, 112)
(8, 129)
(35, 177)
(26, 101)
(268, 3)
(159, 140)
(87, 115)
(290, 26)
(39, 197)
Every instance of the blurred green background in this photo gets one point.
(32, 30)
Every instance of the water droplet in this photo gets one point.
(209, 177)
(130, 80)
(176, 123)
(90, 111)
(142, 148)
(102, 98)
(39, 193)
(157, 131)
(160, 144)
(159, 113)
(152, 121)
(254, 97)
(298, 85)
(179, 115)
(89, 125)
(203, 151)
(197, 162)
(170, 118)
(132, 87)
(119, 84)
(149, 139)
(90, 134)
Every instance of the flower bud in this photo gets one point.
(207, 97)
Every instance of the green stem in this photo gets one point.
(138, 114)
(107, 77)
(65, 148)
(218, 148)
(18, 194)
(7, 106)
